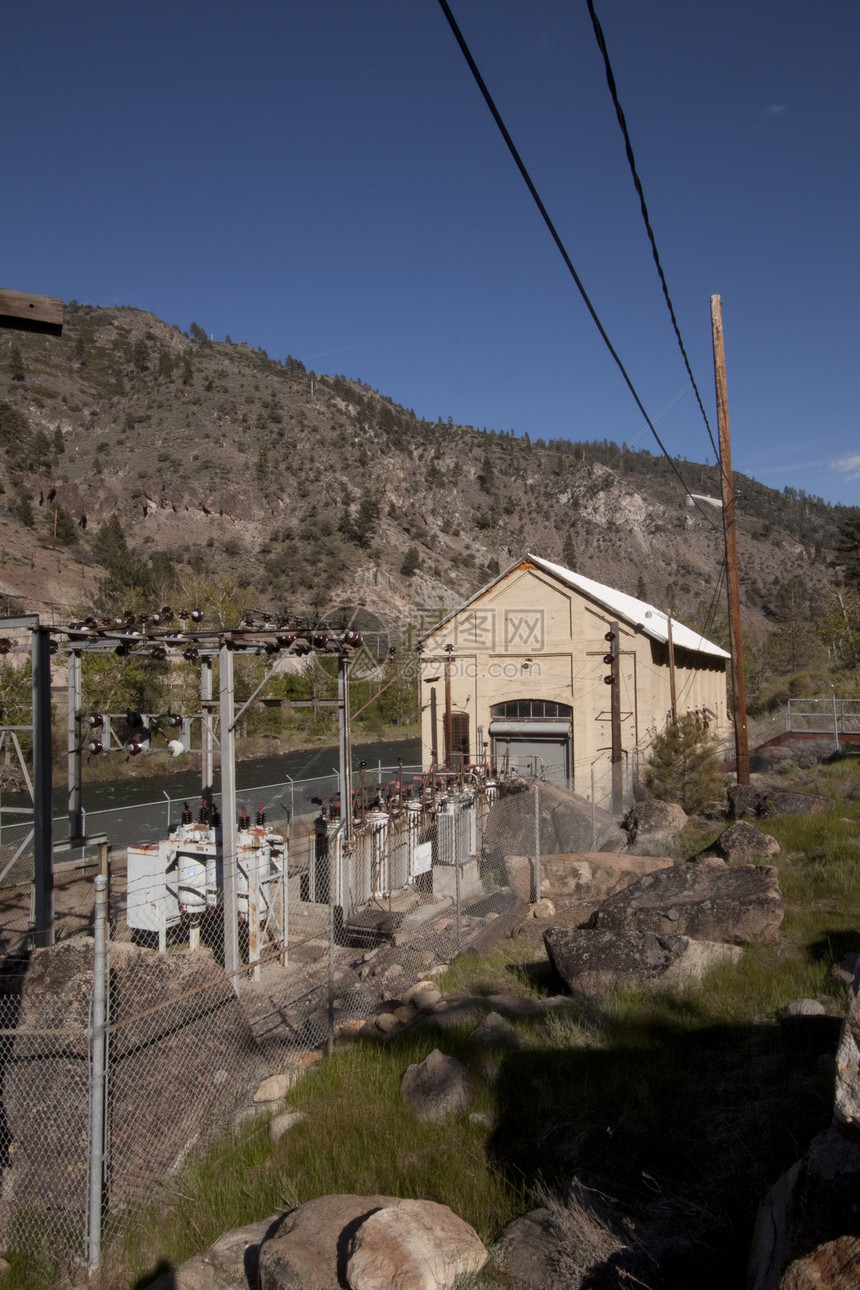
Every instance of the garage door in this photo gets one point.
(533, 748)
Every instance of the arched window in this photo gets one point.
(531, 710)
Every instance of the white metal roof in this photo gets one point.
(647, 618)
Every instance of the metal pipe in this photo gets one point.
(43, 886)
(207, 742)
(330, 982)
(228, 817)
(537, 840)
(76, 829)
(345, 750)
(456, 832)
(97, 1081)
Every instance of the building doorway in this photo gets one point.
(534, 737)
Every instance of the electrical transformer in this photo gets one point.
(180, 879)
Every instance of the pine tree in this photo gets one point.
(848, 550)
(684, 767)
(24, 511)
(411, 562)
(794, 643)
(140, 355)
(61, 526)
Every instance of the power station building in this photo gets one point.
(553, 674)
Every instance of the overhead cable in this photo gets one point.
(473, 67)
(613, 90)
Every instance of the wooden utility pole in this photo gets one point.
(673, 697)
(739, 690)
(449, 716)
(614, 638)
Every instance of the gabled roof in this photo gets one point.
(645, 618)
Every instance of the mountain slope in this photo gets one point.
(314, 491)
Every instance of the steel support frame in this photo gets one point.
(229, 831)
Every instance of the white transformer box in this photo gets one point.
(181, 878)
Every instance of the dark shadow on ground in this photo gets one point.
(685, 1124)
(833, 944)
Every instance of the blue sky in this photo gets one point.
(325, 180)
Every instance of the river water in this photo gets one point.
(308, 763)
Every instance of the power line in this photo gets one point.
(613, 90)
(488, 99)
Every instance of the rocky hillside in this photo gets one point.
(315, 490)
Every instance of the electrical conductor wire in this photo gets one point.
(637, 182)
(488, 99)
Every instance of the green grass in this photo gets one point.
(511, 968)
(358, 1138)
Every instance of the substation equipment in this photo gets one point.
(224, 862)
(226, 867)
(422, 835)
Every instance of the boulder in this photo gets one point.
(170, 1013)
(386, 1022)
(586, 877)
(514, 1005)
(846, 1106)
(495, 1032)
(705, 900)
(653, 826)
(282, 1124)
(424, 994)
(567, 823)
(525, 1252)
(229, 1264)
(543, 909)
(812, 1204)
(744, 801)
(743, 843)
(594, 963)
(573, 1242)
(771, 757)
(275, 1087)
(783, 801)
(413, 1245)
(805, 1008)
(521, 876)
(308, 1248)
(437, 1087)
(748, 801)
(843, 972)
(835, 1265)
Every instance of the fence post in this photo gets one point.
(331, 897)
(537, 840)
(458, 819)
(97, 1077)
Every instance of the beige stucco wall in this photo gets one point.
(530, 637)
